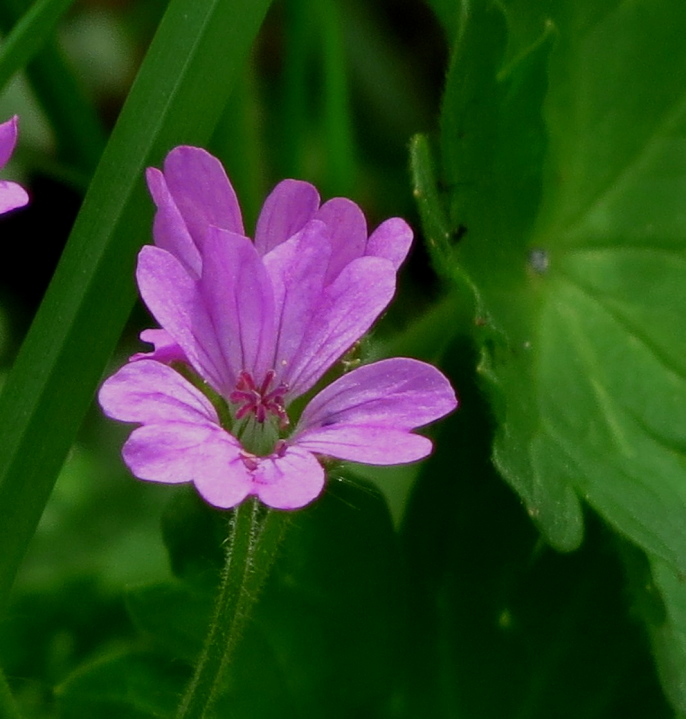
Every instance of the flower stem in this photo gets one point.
(254, 537)
(8, 708)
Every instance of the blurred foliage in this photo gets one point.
(546, 142)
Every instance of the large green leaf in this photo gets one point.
(177, 97)
(567, 166)
(563, 140)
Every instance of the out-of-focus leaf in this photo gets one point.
(332, 613)
(78, 130)
(660, 599)
(28, 35)
(177, 97)
(7, 705)
(53, 631)
(503, 626)
(128, 686)
(175, 614)
(325, 638)
(448, 12)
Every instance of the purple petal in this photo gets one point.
(8, 139)
(347, 309)
(366, 415)
(176, 452)
(150, 392)
(401, 393)
(348, 230)
(290, 205)
(169, 228)
(391, 239)
(202, 192)
(238, 294)
(297, 269)
(366, 443)
(289, 481)
(174, 299)
(12, 196)
(166, 349)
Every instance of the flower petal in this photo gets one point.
(289, 481)
(174, 299)
(391, 239)
(202, 192)
(150, 392)
(348, 229)
(165, 348)
(297, 269)
(169, 227)
(176, 452)
(401, 393)
(366, 443)
(347, 309)
(12, 196)
(290, 205)
(366, 415)
(238, 294)
(8, 139)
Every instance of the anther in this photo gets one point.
(260, 400)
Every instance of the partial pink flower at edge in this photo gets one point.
(12, 195)
(261, 323)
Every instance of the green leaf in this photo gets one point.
(502, 626)
(567, 168)
(174, 614)
(7, 705)
(660, 599)
(28, 35)
(448, 12)
(177, 97)
(78, 130)
(127, 686)
(332, 613)
(430, 202)
(669, 636)
(324, 638)
(493, 141)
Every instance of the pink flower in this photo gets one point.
(260, 324)
(12, 195)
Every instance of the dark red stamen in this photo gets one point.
(259, 400)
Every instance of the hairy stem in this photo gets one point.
(254, 537)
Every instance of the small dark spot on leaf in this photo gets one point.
(459, 233)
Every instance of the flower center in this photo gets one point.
(260, 401)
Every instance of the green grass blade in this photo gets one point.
(28, 35)
(178, 97)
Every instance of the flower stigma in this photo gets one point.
(260, 400)
(255, 405)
